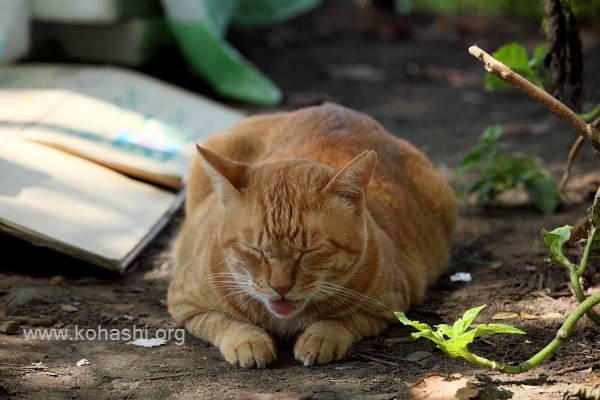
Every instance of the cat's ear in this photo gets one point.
(227, 175)
(351, 182)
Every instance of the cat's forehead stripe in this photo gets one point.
(283, 212)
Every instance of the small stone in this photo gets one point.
(9, 327)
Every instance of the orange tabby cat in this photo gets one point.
(315, 224)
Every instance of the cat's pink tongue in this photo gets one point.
(283, 306)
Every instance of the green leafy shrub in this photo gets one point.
(498, 172)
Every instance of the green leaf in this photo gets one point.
(555, 241)
(415, 324)
(514, 56)
(496, 328)
(542, 191)
(457, 338)
(484, 151)
(539, 53)
(463, 323)
(491, 133)
(424, 330)
(454, 347)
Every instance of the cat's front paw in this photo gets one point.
(322, 343)
(249, 349)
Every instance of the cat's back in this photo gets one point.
(332, 135)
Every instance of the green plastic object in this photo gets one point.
(199, 27)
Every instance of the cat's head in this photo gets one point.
(293, 231)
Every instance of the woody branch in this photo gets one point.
(587, 131)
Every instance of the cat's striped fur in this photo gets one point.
(312, 225)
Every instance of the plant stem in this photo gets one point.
(543, 354)
(588, 131)
(595, 113)
(574, 275)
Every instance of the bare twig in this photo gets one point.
(570, 160)
(588, 131)
(578, 367)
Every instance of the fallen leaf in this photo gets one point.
(586, 392)
(594, 379)
(154, 342)
(505, 315)
(551, 315)
(440, 387)
(526, 315)
(69, 308)
(82, 362)
(496, 265)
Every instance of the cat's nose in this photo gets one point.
(281, 289)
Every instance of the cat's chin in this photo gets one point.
(284, 307)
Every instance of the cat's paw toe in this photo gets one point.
(321, 348)
(254, 350)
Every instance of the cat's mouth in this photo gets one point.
(283, 306)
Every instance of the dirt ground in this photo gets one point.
(415, 76)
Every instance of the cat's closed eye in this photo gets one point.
(256, 250)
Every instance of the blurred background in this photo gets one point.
(217, 45)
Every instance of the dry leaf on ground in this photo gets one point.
(441, 387)
(585, 392)
(69, 308)
(505, 315)
(526, 315)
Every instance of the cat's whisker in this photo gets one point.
(348, 297)
(248, 299)
(354, 294)
(325, 298)
(232, 294)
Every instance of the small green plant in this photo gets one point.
(454, 339)
(499, 172)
